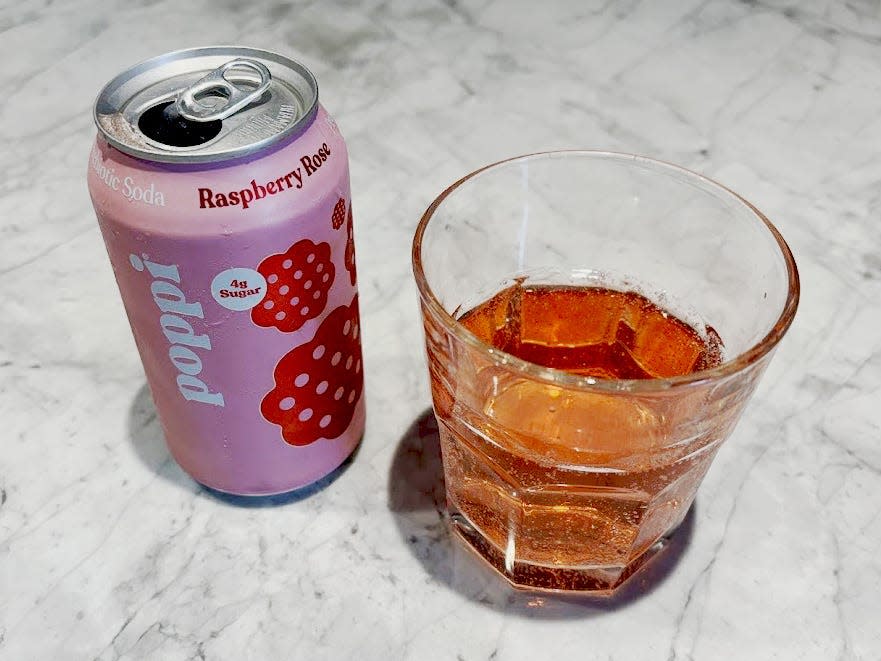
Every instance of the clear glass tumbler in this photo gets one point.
(571, 483)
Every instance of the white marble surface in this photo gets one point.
(108, 551)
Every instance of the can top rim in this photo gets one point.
(292, 82)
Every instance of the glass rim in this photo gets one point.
(553, 376)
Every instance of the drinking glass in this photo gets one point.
(571, 483)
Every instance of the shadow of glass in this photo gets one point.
(148, 442)
(417, 500)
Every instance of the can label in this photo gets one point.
(239, 283)
(175, 318)
(126, 186)
(254, 192)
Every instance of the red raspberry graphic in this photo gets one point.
(339, 214)
(350, 248)
(318, 383)
(297, 283)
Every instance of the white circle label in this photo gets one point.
(238, 288)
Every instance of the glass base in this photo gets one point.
(595, 581)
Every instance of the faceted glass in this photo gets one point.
(566, 482)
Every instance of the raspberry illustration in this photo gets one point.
(318, 383)
(350, 247)
(297, 282)
(339, 214)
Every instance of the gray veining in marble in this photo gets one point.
(109, 552)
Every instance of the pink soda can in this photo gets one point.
(221, 187)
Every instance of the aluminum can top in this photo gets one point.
(206, 105)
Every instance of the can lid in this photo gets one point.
(204, 105)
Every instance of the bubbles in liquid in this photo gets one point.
(592, 331)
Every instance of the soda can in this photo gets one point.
(221, 187)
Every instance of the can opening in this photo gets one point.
(162, 123)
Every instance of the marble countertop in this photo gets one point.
(109, 551)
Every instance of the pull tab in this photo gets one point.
(233, 98)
